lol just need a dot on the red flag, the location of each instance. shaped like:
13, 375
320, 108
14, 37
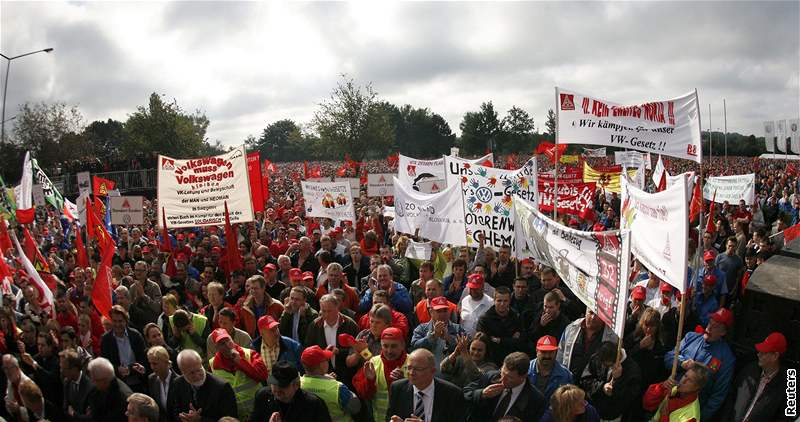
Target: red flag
662, 183
231, 245
95, 229
697, 201
6, 276
393, 160
166, 246
549, 149
341, 171
316, 172
45, 292
5, 241
101, 290
29, 245
256, 182
711, 227
89, 220
83, 260
791, 233
39, 263
305, 170
791, 169
270, 166
101, 186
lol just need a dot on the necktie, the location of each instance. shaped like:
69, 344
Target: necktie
419, 408
500, 410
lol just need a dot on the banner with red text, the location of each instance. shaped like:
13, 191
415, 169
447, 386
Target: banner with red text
192, 192
574, 195
667, 127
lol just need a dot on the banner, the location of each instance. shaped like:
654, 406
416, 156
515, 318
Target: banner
780, 136
329, 200
769, 136
594, 265
487, 194
438, 216
256, 181
193, 191
381, 184
353, 182
794, 134
574, 195
632, 159
426, 176
594, 152
126, 210
51, 194
605, 177
670, 127
83, 183
731, 188
417, 250
659, 225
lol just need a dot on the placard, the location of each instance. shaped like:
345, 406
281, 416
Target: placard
380, 184
126, 210
328, 200
731, 189
437, 216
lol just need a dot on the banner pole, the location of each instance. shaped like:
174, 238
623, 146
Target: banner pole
555, 169
725, 119
680, 335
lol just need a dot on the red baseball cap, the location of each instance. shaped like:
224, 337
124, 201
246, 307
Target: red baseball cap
267, 322
475, 281
710, 280
573, 222
774, 342
665, 287
216, 249
526, 261
709, 256
392, 333
179, 236
220, 334
547, 344
180, 256
639, 293
599, 227
270, 267
439, 303
295, 273
146, 249
314, 355
346, 340
308, 275
723, 316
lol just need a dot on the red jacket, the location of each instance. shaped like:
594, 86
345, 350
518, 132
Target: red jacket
365, 388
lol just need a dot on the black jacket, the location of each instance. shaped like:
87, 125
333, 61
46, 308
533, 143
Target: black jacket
108, 405
529, 405
109, 350
215, 397
504, 328
304, 406
770, 405
626, 392
154, 391
553, 328
448, 401
77, 398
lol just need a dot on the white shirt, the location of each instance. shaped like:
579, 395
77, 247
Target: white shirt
427, 399
514, 394
330, 336
164, 390
472, 310
659, 307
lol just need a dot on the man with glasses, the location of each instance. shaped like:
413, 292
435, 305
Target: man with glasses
421, 396
507, 392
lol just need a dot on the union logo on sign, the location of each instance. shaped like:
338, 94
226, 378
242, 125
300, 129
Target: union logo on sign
567, 101
126, 204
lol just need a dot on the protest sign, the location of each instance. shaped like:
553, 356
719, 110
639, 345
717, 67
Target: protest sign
84, 183
487, 194
380, 184
438, 216
731, 189
38, 195
426, 176
329, 200
419, 250
669, 127
353, 182
632, 159
256, 180
574, 196
593, 265
193, 192
594, 152
126, 210
659, 225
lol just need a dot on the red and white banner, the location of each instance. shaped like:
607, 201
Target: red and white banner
256, 180
670, 127
192, 192
574, 195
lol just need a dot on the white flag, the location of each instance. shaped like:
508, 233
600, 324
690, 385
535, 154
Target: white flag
769, 136
794, 133
419, 250
438, 216
780, 135
659, 173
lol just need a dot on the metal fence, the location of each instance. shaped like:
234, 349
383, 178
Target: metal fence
125, 181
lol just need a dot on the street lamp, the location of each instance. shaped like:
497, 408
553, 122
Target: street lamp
5, 89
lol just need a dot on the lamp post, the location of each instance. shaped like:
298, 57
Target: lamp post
5, 89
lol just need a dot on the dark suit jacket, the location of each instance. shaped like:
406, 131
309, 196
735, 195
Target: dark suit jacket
304, 407
448, 401
215, 397
77, 399
529, 405
154, 391
108, 405
108, 348
315, 335
51, 412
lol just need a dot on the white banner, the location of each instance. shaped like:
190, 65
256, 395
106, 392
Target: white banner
632, 159
594, 265
487, 194
769, 136
731, 189
418, 250
670, 127
794, 133
329, 200
426, 176
438, 216
127, 210
84, 183
381, 184
594, 152
780, 136
192, 192
659, 225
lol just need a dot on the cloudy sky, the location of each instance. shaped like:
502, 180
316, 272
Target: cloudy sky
248, 64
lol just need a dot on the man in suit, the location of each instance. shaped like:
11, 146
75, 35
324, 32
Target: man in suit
505, 393
160, 382
421, 397
124, 347
198, 395
37, 407
325, 330
108, 396
76, 384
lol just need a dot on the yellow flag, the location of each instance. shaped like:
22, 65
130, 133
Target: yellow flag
608, 180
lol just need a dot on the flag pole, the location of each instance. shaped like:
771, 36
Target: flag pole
555, 169
725, 118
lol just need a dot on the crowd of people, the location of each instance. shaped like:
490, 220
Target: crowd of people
330, 320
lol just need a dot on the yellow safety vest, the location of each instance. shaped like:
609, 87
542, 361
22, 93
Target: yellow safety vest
244, 387
380, 404
685, 413
328, 390
199, 322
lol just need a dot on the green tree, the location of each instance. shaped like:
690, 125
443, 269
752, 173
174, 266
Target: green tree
479, 130
163, 127
418, 131
517, 131
41, 128
352, 122
106, 138
551, 123
274, 140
